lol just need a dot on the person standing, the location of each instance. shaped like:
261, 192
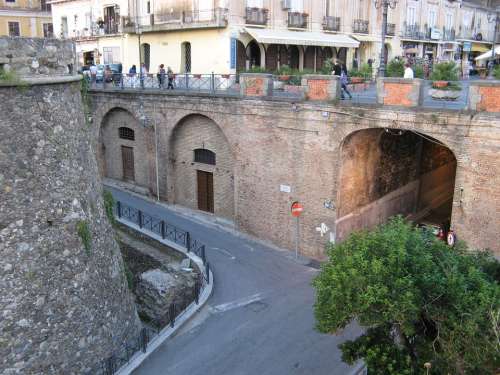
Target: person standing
344, 80
170, 76
132, 71
93, 72
408, 72
337, 69
161, 75
144, 74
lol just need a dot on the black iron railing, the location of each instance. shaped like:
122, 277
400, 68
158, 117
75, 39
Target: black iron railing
167, 231
331, 23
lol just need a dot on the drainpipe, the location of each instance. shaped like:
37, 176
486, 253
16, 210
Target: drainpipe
156, 156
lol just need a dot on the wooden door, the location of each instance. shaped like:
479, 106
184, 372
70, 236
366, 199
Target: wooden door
128, 163
205, 191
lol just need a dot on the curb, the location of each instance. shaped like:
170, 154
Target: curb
183, 317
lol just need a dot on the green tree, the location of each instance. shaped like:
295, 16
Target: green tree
445, 71
421, 300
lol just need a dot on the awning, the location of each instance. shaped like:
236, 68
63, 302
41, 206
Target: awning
301, 38
367, 38
487, 55
477, 47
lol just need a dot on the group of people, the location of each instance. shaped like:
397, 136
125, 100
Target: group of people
163, 75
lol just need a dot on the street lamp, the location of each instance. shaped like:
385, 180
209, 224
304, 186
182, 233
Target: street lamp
493, 17
384, 4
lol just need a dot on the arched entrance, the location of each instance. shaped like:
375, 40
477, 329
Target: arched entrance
201, 167
122, 154
293, 57
253, 53
386, 172
241, 57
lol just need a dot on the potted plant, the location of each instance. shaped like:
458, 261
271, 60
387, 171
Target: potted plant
284, 73
395, 68
444, 78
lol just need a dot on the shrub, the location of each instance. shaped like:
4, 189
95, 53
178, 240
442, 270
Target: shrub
421, 300
445, 71
418, 71
496, 72
83, 231
395, 68
366, 71
109, 203
256, 69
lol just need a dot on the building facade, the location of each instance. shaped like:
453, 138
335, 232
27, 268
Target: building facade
25, 18
228, 36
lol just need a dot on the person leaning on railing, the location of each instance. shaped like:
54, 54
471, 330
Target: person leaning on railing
170, 76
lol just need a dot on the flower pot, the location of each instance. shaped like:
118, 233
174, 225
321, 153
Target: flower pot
284, 77
226, 76
439, 84
357, 80
198, 76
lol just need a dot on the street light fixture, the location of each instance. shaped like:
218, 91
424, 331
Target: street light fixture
384, 4
493, 17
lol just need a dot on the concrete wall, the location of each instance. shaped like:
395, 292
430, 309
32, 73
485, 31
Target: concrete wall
294, 144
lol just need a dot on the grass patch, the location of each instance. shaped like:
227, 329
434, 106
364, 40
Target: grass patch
83, 231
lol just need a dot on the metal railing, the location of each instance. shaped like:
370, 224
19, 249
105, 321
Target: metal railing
210, 83
297, 19
391, 29
360, 26
412, 31
448, 34
331, 23
157, 226
256, 16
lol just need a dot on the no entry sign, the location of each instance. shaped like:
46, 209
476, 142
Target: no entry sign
297, 209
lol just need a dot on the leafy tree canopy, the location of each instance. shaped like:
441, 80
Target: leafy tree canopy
422, 301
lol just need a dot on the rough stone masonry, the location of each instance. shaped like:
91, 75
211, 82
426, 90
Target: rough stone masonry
64, 301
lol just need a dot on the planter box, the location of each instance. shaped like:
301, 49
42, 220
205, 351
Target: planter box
357, 80
444, 94
439, 84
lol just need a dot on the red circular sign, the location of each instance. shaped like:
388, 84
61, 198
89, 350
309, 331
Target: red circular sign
297, 209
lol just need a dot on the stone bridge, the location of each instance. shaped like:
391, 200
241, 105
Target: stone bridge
246, 159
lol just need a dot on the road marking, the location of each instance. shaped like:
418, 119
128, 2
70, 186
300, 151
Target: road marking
223, 251
238, 303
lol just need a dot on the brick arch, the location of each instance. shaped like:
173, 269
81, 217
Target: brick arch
109, 148
192, 132
389, 171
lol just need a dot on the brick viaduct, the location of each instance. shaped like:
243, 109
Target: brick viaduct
330, 155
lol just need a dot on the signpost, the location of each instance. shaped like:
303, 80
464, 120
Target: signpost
296, 210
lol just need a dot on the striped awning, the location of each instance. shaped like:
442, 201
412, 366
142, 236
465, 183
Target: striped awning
301, 38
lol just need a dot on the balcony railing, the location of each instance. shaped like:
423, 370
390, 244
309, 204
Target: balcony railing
297, 19
391, 29
256, 16
331, 23
448, 34
360, 26
412, 31
112, 27
177, 20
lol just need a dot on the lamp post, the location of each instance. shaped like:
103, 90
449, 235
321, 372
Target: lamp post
384, 4
493, 17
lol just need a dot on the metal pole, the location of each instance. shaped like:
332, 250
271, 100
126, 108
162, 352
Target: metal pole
381, 70
156, 156
497, 18
297, 228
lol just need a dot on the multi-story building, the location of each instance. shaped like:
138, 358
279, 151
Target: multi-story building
27, 18
225, 36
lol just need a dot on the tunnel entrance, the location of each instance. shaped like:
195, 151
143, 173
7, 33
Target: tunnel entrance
386, 172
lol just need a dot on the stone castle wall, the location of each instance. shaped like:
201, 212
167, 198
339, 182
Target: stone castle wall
64, 299
300, 145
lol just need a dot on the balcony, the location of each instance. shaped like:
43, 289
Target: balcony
297, 20
448, 34
360, 27
391, 29
331, 23
256, 16
176, 20
412, 31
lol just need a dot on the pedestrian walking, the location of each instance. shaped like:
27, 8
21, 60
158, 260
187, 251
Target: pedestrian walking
170, 76
161, 75
93, 72
108, 74
337, 69
408, 72
144, 74
344, 80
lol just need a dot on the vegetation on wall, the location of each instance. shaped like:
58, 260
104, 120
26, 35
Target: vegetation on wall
496, 72
86, 101
109, 204
424, 303
445, 71
83, 231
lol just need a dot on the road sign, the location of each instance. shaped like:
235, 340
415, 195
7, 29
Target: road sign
297, 209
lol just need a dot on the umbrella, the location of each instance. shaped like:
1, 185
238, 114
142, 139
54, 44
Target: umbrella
487, 55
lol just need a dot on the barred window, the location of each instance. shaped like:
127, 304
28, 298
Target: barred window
14, 29
202, 155
126, 133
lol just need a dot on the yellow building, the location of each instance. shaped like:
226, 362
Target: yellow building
26, 18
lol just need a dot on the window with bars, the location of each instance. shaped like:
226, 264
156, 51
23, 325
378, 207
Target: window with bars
14, 29
202, 155
45, 7
126, 133
186, 57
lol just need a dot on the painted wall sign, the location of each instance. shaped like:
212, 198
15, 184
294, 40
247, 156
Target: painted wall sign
232, 60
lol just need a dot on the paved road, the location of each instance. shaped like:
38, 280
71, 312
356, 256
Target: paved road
259, 319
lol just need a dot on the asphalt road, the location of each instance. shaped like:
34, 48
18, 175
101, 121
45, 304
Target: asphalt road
259, 319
